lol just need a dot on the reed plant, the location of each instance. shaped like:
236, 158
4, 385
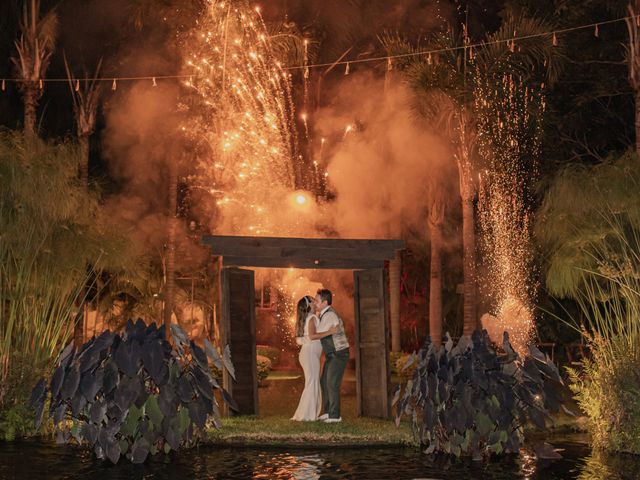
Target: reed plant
51, 228
607, 384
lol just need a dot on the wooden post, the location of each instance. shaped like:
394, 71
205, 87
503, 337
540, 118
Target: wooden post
395, 266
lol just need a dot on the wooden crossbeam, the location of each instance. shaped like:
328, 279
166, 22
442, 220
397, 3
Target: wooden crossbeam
304, 263
286, 250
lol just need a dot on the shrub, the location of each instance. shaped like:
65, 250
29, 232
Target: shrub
16, 418
402, 367
607, 386
133, 394
264, 368
468, 400
393, 359
609, 394
271, 353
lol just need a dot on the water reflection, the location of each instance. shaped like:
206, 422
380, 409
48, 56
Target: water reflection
36, 460
599, 465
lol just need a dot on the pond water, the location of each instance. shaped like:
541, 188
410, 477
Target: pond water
36, 460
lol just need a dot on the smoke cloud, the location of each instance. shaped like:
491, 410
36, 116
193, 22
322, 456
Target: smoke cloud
385, 161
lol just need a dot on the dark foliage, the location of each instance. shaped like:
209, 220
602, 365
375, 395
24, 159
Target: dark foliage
469, 400
133, 394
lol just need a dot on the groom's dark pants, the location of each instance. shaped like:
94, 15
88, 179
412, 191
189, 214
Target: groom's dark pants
334, 367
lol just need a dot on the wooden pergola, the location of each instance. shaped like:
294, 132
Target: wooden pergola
371, 306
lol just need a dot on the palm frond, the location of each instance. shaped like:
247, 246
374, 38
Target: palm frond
530, 57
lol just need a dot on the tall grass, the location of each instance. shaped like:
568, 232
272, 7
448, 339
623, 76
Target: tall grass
607, 386
50, 229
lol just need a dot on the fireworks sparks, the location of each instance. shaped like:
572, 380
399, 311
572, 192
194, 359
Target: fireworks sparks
509, 139
242, 116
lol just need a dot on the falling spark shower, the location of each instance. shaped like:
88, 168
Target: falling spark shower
509, 121
242, 120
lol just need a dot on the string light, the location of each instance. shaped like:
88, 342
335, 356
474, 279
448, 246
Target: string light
154, 82
77, 88
4, 85
429, 53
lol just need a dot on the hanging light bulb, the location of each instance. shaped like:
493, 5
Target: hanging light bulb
596, 32
554, 40
154, 82
389, 64
429, 60
4, 85
346, 70
114, 85
77, 89
512, 46
40, 84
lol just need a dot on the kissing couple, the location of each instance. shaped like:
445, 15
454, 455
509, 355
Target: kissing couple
320, 329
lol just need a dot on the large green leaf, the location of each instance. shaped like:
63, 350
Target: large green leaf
153, 411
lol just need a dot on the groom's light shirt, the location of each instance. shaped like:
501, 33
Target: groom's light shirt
327, 321
338, 341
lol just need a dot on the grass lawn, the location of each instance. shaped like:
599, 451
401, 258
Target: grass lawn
278, 399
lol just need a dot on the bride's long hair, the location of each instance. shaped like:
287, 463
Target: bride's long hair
304, 307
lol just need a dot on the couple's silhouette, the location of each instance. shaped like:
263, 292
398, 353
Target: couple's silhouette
320, 329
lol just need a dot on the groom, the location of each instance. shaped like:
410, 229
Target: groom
336, 352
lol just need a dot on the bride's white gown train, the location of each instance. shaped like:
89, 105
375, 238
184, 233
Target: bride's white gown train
310, 352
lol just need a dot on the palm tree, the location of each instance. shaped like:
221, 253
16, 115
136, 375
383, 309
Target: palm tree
86, 97
33, 54
85, 107
436, 222
445, 89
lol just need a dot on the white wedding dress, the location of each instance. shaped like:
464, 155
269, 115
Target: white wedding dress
310, 352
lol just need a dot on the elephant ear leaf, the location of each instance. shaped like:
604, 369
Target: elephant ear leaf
226, 357
113, 451
56, 381
70, 384
153, 360
66, 355
127, 357
230, 401
140, 450
179, 336
198, 412
212, 353
38, 393
199, 355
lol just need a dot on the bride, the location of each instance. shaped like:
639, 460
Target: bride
309, 357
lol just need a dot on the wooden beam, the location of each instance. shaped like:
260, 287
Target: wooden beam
302, 262
224, 241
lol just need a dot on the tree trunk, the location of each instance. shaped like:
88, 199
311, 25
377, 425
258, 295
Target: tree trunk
169, 291
469, 266
435, 285
395, 267
83, 173
633, 61
30, 97
83, 167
